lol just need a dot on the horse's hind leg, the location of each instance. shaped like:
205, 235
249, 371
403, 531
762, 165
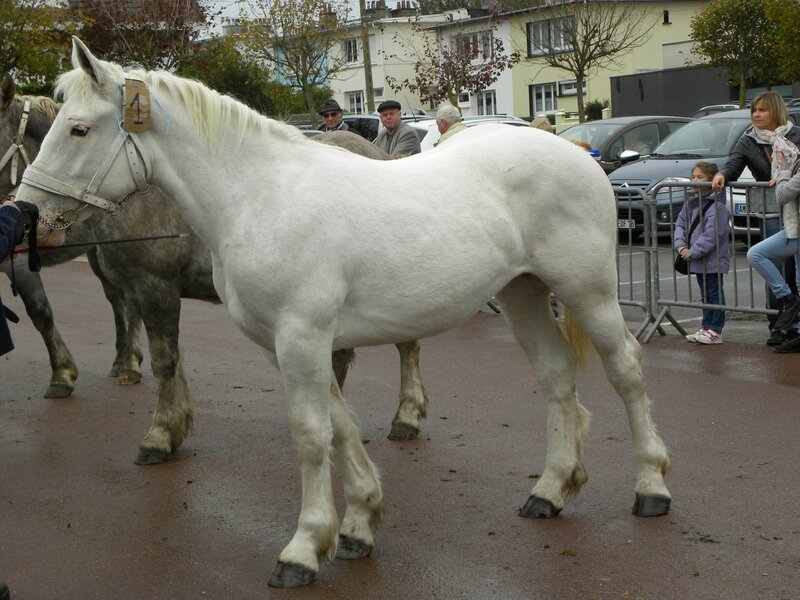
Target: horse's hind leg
621, 356
413, 398
526, 306
127, 322
31, 291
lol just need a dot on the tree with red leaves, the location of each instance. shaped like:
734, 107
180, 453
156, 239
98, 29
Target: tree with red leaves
154, 34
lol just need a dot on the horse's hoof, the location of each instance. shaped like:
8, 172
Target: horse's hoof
538, 508
287, 575
402, 432
352, 548
651, 506
58, 390
150, 456
128, 377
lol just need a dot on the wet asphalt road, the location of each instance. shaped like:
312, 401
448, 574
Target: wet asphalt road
78, 520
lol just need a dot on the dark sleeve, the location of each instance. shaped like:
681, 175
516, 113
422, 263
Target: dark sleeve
737, 161
11, 229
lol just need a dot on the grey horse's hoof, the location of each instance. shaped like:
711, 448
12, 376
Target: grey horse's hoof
352, 548
150, 456
58, 390
538, 508
129, 377
402, 432
651, 506
287, 575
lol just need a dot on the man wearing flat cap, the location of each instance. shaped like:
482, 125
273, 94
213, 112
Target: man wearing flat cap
396, 138
332, 114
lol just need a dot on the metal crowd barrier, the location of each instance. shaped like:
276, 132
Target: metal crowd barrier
645, 254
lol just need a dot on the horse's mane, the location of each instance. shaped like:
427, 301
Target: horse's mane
47, 107
212, 113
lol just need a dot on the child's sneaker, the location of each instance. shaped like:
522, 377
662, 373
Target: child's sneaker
709, 336
692, 337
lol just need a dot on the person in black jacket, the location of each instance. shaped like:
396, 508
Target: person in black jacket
12, 225
755, 151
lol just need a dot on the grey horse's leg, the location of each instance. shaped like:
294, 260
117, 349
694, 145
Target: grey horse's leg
413, 397
31, 291
173, 416
127, 322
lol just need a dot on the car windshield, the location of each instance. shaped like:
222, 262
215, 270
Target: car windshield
703, 138
594, 132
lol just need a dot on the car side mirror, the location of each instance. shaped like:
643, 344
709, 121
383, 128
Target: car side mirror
627, 156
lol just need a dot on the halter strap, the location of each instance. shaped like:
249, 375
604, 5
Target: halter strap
17, 149
38, 178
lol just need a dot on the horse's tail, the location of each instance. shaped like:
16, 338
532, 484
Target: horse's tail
578, 339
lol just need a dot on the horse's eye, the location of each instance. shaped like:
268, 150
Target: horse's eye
79, 130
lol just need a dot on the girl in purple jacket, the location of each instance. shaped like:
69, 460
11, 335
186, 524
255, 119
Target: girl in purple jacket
707, 251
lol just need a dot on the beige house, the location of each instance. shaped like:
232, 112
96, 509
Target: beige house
538, 88
531, 87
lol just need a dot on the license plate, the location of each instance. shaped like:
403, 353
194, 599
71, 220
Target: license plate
626, 224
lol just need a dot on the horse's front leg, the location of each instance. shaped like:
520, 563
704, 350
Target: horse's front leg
64, 371
173, 416
413, 398
362, 488
127, 322
304, 357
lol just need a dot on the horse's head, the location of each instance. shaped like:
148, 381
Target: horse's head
89, 159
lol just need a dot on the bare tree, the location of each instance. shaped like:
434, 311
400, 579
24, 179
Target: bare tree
586, 36
470, 60
296, 37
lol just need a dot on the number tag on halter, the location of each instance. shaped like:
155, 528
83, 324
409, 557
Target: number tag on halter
136, 109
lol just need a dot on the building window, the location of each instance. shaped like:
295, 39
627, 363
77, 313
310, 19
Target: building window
666, 18
552, 35
463, 99
351, 50
355, 102
487, 103
478, 44
543, 98
377, 92
570, 88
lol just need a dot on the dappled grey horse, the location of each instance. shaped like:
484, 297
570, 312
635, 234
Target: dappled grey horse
145, 281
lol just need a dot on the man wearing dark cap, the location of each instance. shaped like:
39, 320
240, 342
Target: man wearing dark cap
396, 138
332, 115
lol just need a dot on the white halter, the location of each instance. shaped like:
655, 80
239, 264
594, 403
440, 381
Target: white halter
17, 149
38, 178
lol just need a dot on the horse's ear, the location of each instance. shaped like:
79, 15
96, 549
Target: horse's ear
7, 91
82, 58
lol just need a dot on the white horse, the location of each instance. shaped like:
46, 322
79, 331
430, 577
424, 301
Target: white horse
317, 249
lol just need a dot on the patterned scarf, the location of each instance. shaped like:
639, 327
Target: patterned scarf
784, 152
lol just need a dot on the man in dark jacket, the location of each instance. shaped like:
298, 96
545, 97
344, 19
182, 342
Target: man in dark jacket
332, 114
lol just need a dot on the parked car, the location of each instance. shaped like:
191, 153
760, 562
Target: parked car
429, 133
713, 108
367, 126
709, 139
614, 136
